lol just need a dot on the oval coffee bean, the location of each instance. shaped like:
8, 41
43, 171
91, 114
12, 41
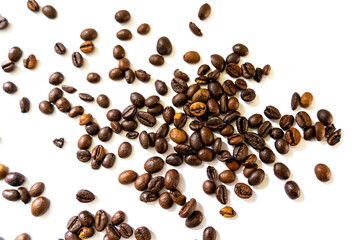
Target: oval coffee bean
112, 232
295, 100
292, 190
100, 220
254, 140
174, 159
221, 194
156, 60
142, 233
11, 195
322, 172
88, 34
165, 200
218, 62
172, 179
191, 57
188, 208
39, 206
282, 146
248, 95
325, 117
14, 179
204, 11
256, 177
86, 218
267, 155
77, 59
243, 190
125, 230
24, 236
240, 49
14, 54
124, 150
293, 136
49, 11
164, 46
24, 105
209, 233
286, 122
194, 220
227, 176
272, 112
122, 16
143, 29
227, 212
306, 99
85, 196
37, 189
24, 195
281, 171
303, 119
209, 187
127, 176
309, 133
124, 34
153, 164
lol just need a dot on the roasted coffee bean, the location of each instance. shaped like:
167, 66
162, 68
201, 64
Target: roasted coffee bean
233, 58
95, 164
286, 122
144, 139
127, 176
87, 47
204, 11
83, 155
156, 60
325, 117
161, 87
137, 99
108, 160
179, 120
181, 75
203, 69
8, 66
103, 101
255, 120
112, 232
249, 160
124, 150
59, 142
306, 99
281, 171
256, 177
206, 154
235, 139
174, 159
202, 80
84, 141
194, 220
258, 74
23, 236
118, 52
3, 23
201, 95
231, 117
295, 100
129, 76
243, 190
148, 196
188, 208
272, 112
227, 176
98, 153
24, 105
71, 236
293, 136
227, 130
334, 138
142, 233
177, 197
240, 49
218, 62
233, 165
221, 194
129, 125
9, 87
68, 89
168, 114
153, 164
86, 218
142, 75
248, 70
55, 94
113, 115
179, 85
248, 170
209, 187
211, 173
59, 48
14, 179
124, 34
207, 136
92, 128
224, 156
122, 16
303, 119
124, 63
254, 140
37, 189
215, 89
93, 77
267, 155
3, 171
248, 95
105, 134
11, 195
242, 124
240, 151
118, 218
186, 109
233, 70
282, 146
63, 105
198, 109
161, 145
146, 119
77, 59
264, 129
183, 149
142, 181
213, 107
229, 87
143, 29
209, 233
116, 74
191, 57
240, 84
319, 131
125, 230
49, 11
329, 130
86, 232
88, 34
322, 172
33, 5
30, 62
129, 112
24, 195
39, 206
156, 184
214, 75
227, 212
233, 104
46, 107
276, 133
196, 125
309, 133
178, 135
14, 54
164, 46
266, 70
292, 190
165, 200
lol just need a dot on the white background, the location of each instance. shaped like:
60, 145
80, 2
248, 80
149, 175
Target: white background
311, 46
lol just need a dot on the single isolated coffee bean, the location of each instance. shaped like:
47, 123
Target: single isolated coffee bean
124, 150
11, 194
258, 74
295, 100
59, 142
9, 87
83, 155
122, 16
227, 176
30, 62
322, 172
23, 236
142, 233
77, 59
84, 141
209, 233
49, 11
194, 220
142, 75
243, 190
103, 101
191, 57
68, 89
195, 29
161, 87
240, 49
153, 164
164, 46
88, 34
281, 171
306, 99
204, 11
266, 70
127, 176
59, 48
87, 47
267, 155
256, 177
143, 29
227, 212
156, 60
209, 187
33, 5
85, 196
46, 107
292, 190
248, 95
282, 146
56, 78
39, 206
14, 54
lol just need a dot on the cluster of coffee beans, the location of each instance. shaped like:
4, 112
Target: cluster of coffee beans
48, 10
39, 206
82, 226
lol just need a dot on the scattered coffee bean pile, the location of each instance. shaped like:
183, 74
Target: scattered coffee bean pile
213, 108
39, 206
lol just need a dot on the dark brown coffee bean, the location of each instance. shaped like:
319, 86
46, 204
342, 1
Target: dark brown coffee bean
227, 176
233, 165
59, 142
88, 34
33, 6
165, 200
248, 95
168, 114
240, 49
322, 172
8, 66
213, 107
11, 195
282, 146
194, 219
98, 153
188, 208
56, 78
124, 34
233, 70
303, 119
122, 16
142, 233
23, 236
146, 119
319, 131
55, 94
203, 69
71, 236
192, 159
14, 54
137, 99
227, 130
142, 181
243, 190
240, 84
85, 196
84, 141
93, 77
142, 75
174, 159
231, 117
209, 187
116, 74
77, 59
229, 87
164, 46
235, 139
181, 75
256, 177
224, 156
156, 60
49, 11
215, 89
258, 74
306, 99
161, 145
125, 230
195, 29
179, 120
240, 151
295, 100
233, 58
153, 164
334, 138
206, 154
129, 125
248, 70
124, 64
100, 220
286, 122
254, 140
218, 62
183, 149
179, 85
37, 189
118, 52
325, 117
39, 206
92, 128
24, 105
124, 150
233, 104
272, 112
148, 196
105, 134
9, 87
215, 123
223, 103
329, 130
161, 87
59, 48
276, 133
248, 170
127, 177
144, 139
118, 218
249, 160
109, 160
293, 136
3, 23
207, 135
309, 133
46, 107
211, 173
242, 124
281, 171
267, 155
156, 184
112, 232
63, 105
214, 75
264, 129
292, 190
221, 194
255, 120
266, 70
24, 195
129, 112
103, 101
209, 233
204, 11
143, 29
83, 155
113, 115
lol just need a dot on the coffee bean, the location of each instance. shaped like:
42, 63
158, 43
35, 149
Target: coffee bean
142, 75
125, 230
233, 58
156, 110
124, 34
242, 124
146, 119
86, 232
83, 155
33, 5
248, 70
334, 137
105, 134
112, 232
85, 196
233, 104
37, 189
124, 150
68, 89
124, 63
267, 155
254, 140
303, 119
178, 135
130, 76
23, 236
8, 66
322, 172
309, 133
39, 206
204, 11
209, 187
85, 119
148, 196
188, 208
235, 139
211, 173
281, 171
3, 23
248, 95
49, 11
209, 233
292, 190
174, 159
224, 156
100, 220
229, 87
56, 78
63, 105
88, 34
116, 74
240, 151
227, 176
24, 105
24, 195
86, 218
258, 74
256, 177
247, 171
292, 136
214, 75
14, 179
206, 154
306, 99
59, 48
156, 184
9, 87
109, 160
118, 218
59, 142
127, 176
181, 75
215, 89
221, 194
164, 46
143, 29
218, 62
233, 70
227, 212
325, 117
319, 131
142, 181
161, 145
295, 100
71, 236
46, 107
153, 164
84, 141
329, 130
282, 146
240, 84
3, 171
103, 101
195, 29
142, 233
240, 49
129, 125
161, 87
191, 57
194, 219
276, 133
213, 107
203, 69
286, 122
156, 60
272, 112
264, 129
87, 47
77, 59
165, 200
179, 85
207, 135
11, 195
122, 16
14, 54
198, 109
243, 190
